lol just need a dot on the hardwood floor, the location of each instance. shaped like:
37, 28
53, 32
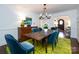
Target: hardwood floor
74, 45
3, 49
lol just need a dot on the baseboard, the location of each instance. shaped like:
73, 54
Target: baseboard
75, 39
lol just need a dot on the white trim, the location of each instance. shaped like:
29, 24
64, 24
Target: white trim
3, 29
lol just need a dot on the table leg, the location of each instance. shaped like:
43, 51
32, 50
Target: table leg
43, 42
52, 46
34, 46
46, 46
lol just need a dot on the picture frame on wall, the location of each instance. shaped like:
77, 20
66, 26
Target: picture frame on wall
28, 21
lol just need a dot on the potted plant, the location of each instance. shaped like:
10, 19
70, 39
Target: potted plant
45, 27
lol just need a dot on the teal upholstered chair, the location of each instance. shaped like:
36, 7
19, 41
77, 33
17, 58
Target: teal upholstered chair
36, 29
57, 35
53, 38
16, 47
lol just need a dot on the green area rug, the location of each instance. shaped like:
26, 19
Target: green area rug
63, 47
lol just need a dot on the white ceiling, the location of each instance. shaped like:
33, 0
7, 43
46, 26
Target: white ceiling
37, 8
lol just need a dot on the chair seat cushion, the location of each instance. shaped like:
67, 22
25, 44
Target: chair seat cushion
27, 46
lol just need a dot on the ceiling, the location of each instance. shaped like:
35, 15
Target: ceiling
37, 8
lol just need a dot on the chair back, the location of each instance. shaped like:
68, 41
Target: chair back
14, 46
52, 38
57, 31
36, 29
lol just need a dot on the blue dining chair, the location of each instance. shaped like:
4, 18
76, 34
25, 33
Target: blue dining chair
40, 29
52, 39
16, 47
57, 35
36, 29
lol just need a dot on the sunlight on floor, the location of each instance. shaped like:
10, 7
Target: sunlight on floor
61, 34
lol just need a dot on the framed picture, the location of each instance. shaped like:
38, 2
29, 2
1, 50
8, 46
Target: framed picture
28, 21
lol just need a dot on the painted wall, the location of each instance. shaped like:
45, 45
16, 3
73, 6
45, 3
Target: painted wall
9, 22
78, 24
73, 18
66, 19
78, 29
12, 31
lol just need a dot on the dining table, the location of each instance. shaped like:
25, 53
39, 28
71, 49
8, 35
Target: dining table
38, 36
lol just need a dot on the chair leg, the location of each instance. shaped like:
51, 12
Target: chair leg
55, 44
33, 52
57, 39
43, 43
34, 46
52, 47
46, 45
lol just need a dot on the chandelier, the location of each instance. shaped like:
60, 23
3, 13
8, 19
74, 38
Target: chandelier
44, 14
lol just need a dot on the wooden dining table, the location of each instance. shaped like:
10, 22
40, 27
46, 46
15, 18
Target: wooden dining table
38, 36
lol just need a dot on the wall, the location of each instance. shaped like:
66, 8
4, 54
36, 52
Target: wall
9, 22
73, 18
66, 21
78, 29
12, 31
78, 24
